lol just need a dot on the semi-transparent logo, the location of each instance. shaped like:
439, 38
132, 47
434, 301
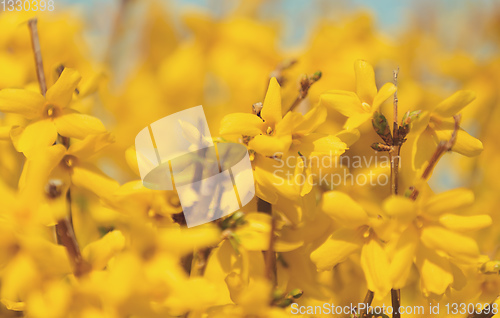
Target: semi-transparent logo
177, 152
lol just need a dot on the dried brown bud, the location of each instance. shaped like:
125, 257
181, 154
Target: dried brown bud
54, 188
378, 146
257, 108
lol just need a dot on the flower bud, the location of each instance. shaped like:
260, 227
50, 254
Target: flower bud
381, 127
408, 118
296, 293
378, 146
491, 267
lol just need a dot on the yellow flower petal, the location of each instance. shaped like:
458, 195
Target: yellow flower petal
435, 271
89, 177
400, 208
383, 94
375, 265
365, 81
18, 277
460, 247
36, 172
5, 132
465, 143
336, 248
62, 91
99, 252
357, 120
402, 259
450, 200
90, 145
346, 103
241, 124
314, 145
75, 125
349, 137
254, 234
343, 209
271, 109
310, 121
35, 136
455, 103
270, 145
465, 223
423, 148
188, 239
20, 101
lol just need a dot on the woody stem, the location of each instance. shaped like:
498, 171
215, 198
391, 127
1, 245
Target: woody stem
35, 44
487, 311
367, 301
442, 147
395, 293
269, 255
396, 142
64, 227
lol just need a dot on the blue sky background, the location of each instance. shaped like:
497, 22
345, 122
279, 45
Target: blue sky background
298, 16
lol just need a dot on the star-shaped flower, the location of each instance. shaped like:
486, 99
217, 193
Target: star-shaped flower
48, 115
360, 106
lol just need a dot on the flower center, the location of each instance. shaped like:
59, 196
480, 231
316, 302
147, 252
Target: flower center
69, 161
366, 107
270, 131
51, 111
419, 222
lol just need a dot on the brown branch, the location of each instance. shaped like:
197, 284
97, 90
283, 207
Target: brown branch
67, 238
305, 84
443, 146
64, 227
269, 255
278, 71
487, 311
65, 232
396, 302
367, 301
35, 44
396, 141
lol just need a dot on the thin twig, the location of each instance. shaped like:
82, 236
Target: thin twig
64, 227
65, 232
269, 255
397, 143
66, 236
487, 312
305, 84
443, 146
35, 44
368, 302
396, 302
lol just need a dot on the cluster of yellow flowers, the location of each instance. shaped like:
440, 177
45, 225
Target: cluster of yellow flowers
80, 236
